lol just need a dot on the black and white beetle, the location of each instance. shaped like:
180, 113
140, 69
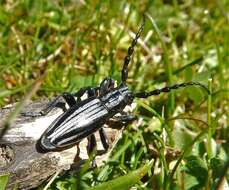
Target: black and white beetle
84, 117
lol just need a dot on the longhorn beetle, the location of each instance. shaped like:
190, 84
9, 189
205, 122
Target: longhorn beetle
84, 117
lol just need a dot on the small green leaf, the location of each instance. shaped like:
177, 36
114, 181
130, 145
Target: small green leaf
182, 136
197, 168
190, 182
61, 185
217, 165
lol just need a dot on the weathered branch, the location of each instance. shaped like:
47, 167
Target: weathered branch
19, 157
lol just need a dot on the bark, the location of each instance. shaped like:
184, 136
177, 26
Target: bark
18, 154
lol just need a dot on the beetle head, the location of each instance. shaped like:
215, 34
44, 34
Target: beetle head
127, 95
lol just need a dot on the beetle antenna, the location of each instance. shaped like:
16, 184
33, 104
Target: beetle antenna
130, 52
169, 88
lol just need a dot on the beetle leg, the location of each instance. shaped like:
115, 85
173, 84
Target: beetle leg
91, 147
125, 119
106, 86
69, 99
120, 121
104, 139
91, 91
92, 141
56, 102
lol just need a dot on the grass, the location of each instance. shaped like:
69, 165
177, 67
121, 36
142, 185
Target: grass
78, 43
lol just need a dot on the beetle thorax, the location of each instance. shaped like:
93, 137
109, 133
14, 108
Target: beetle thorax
117, 99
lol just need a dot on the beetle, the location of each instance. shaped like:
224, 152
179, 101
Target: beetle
84, 117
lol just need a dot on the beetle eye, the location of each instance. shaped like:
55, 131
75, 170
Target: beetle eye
129, 98
112, 84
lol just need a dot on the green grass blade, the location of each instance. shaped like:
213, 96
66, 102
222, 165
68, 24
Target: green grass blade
3, 181
167, 65
124, 182
210, 130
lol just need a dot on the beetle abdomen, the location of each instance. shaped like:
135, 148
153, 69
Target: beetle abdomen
75, 124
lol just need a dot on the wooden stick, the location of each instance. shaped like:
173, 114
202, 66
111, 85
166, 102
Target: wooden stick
29, 168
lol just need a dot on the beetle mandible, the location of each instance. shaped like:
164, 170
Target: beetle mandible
84, 117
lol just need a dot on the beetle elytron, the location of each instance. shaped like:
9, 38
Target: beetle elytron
84, 117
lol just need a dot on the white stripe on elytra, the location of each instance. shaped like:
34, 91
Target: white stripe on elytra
60, 129
69, 139
67, 126
80, 109
81, 120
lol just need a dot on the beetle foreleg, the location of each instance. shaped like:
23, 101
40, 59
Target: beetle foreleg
91, 91
106, 86
125, 119
121, 120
